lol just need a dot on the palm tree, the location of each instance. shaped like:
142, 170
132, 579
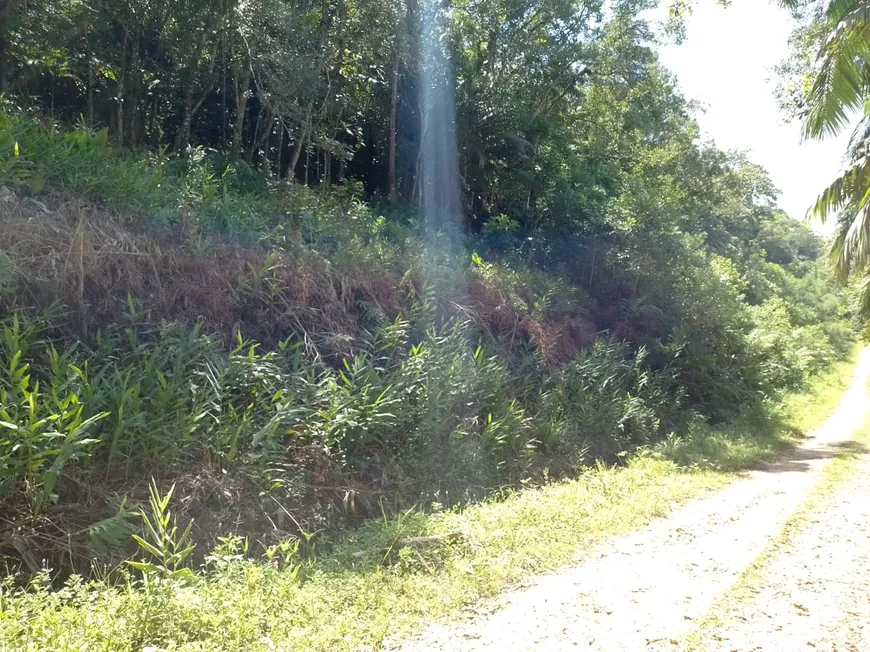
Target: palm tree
840, 88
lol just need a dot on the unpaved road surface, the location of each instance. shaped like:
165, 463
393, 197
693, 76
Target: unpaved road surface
813, 593
646, 591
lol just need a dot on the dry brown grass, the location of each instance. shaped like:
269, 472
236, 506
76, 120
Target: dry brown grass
89, 260
86, 258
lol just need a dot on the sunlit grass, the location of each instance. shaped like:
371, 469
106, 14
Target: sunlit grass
758, 434
808, 409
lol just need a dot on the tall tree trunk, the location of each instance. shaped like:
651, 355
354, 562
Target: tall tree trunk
394, 100
530, 192
90, 89
279, 155
135, 90
191, 107
4, 46
267, 145
183, 138
417, 188
223, 87
191, 102
122, 76
260, 138
307, 165
300, 141
7, 9
243, 84
250, 152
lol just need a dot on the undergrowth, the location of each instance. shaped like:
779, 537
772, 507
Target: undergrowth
238, 601
418, 413
201, 195
296, 364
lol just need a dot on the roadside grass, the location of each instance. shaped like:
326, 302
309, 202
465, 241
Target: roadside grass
809, 408
757, 435
335, 600
744, 590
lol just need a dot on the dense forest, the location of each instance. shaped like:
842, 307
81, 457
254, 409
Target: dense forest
215, 274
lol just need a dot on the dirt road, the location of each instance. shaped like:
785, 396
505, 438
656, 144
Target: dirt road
650, 590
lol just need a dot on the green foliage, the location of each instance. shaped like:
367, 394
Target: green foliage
168, 548
113, 532
245, 604
42, 430
607, 390
826, 84
693, 301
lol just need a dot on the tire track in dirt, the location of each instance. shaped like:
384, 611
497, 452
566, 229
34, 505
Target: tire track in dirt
813, 592
644, 592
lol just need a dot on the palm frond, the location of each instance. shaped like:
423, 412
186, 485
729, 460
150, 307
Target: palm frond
854, 246
854, 17
840, 85
859, 141
864, 294
836, 9
848, 188
838, 244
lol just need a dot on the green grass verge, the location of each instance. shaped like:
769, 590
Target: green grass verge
755, 436
342, 602
808, 409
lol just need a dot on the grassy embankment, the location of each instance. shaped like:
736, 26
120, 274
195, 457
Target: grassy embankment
338, 601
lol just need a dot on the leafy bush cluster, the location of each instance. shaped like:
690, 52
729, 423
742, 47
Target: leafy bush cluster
158, 187
438, 414
237, 598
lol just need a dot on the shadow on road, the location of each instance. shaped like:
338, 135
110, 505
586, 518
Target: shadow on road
802, 458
